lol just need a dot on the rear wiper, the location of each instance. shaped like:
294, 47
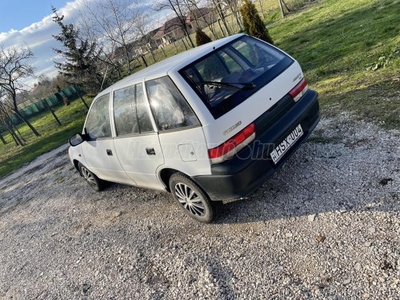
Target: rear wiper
243, 85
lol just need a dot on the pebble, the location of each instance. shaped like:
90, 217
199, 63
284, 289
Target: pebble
346, 281
312, 217
117, 214
357, 267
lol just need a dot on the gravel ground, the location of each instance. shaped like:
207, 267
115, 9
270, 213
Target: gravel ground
326, 226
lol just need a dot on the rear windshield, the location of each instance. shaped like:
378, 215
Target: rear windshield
230, 74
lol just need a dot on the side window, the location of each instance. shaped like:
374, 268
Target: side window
142, 111
125, 111
98, 120
169, 108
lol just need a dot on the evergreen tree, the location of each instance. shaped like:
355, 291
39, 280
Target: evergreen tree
252, 23
81, 63
201, 37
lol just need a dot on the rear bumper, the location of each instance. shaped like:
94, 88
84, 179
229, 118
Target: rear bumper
252, 166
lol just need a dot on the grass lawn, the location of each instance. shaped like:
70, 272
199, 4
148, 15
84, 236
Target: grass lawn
349, 51
52, 136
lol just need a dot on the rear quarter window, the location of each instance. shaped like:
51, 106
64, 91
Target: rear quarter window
169, 107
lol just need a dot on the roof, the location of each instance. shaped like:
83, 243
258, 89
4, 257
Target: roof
197, 14
171, 64
168, 26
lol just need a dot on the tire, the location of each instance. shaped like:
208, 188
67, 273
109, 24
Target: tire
95, 183
191, 198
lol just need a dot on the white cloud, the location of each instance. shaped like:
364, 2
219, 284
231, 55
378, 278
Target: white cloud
39, 37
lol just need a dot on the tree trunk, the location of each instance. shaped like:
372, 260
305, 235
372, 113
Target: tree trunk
162, 50
237, 17
222, 16
17, 140
15, 129
184, 44
2, 139
176, 48
220, 27
25, 120
80, 96
52, 111
282, 4
145, 61
262, 9
212, 28
152, 55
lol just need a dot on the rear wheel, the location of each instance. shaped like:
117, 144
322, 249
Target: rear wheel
96, 183
191, 198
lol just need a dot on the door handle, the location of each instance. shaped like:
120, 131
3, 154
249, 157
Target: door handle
109, 152
150, 151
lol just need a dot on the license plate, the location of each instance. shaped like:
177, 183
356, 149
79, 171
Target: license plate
286, 144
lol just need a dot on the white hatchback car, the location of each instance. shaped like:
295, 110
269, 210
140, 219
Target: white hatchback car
209, 124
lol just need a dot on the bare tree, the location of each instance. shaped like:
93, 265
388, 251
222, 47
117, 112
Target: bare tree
14, 67
219, 8
196, 11
114, 22
5, 119
234, 7
142, 26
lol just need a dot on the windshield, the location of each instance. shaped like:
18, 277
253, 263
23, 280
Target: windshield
227, 76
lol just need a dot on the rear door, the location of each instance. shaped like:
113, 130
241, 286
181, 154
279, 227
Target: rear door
136, 142
99, 151
180, 131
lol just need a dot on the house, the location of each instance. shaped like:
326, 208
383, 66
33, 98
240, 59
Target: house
171, 31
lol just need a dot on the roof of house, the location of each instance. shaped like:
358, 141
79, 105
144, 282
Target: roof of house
196, 14
168, 26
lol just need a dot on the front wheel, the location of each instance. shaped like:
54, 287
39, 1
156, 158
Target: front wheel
96, 183
191, 199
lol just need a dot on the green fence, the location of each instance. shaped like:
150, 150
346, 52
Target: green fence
71, 93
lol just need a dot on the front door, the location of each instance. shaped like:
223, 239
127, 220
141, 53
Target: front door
99, 151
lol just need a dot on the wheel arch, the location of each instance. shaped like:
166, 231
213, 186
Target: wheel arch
165, 175
76, 163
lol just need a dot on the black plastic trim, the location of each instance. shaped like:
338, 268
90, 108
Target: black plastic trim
252, 166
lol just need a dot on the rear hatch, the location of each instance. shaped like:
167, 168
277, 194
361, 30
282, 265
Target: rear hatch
238, 83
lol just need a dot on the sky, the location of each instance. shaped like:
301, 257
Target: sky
29, 23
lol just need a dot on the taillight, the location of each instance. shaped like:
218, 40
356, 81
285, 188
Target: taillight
228, 149
299, 90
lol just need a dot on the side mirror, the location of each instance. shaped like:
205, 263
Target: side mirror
77, 139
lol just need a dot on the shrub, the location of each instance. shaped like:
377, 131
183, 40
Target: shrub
252, 23
201, 37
